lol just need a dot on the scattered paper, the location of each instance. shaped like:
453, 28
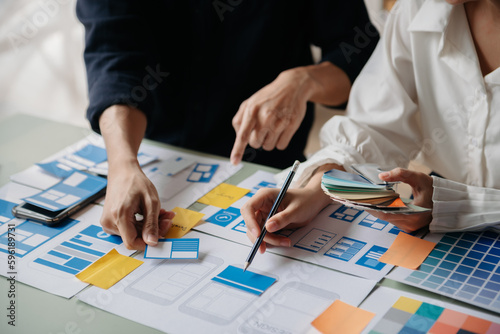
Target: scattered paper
244, 280
407, 251
108, 270
77, 187
183, 221
342, 318
174, 249
223, 195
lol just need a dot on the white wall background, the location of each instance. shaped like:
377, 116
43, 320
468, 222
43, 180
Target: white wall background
41, 58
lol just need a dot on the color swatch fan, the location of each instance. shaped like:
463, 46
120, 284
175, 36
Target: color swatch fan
356, 191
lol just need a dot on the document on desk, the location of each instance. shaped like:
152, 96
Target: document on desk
340, 238
463, 266
179, 296
180, 178
49, 257
398, 311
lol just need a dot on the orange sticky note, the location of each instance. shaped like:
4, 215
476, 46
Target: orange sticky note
109, 269
183, 221
342, 318
407, 251
223, 195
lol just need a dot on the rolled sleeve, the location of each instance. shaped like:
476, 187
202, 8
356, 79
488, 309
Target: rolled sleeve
461, 207
117, 55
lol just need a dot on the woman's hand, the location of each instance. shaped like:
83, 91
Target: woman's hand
422, 189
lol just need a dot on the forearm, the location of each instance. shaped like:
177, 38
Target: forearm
314, 184
323, 83
122, 128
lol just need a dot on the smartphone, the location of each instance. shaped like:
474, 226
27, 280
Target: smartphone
51, 218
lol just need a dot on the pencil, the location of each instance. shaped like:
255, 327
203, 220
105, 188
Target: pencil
274, 208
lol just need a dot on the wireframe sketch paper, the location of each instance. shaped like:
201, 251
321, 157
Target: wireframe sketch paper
181, 297
49, 257
186, 248
340, 238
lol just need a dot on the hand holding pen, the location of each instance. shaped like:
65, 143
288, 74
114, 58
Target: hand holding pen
273, 211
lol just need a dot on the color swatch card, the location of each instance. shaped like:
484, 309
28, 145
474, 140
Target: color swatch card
244, 280
174, 249
409, 315
75, 188
464, 266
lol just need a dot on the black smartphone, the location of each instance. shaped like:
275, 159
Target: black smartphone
50, 218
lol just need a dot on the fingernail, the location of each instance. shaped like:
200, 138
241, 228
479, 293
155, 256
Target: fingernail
384, 175
285, 243
151, 240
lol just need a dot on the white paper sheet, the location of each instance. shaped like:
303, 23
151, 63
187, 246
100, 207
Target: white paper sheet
340, 238
178, 296
48, 257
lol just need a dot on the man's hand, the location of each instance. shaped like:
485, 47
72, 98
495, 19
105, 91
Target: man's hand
130, 192
271, 116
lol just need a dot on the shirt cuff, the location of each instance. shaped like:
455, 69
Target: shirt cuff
338, 154
460, 207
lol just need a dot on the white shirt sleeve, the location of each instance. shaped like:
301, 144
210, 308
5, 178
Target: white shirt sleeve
460, 207
382, 123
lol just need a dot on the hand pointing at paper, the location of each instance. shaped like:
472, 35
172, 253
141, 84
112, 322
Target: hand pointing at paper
271, 116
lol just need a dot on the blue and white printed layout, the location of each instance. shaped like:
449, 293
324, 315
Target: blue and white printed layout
48, 258
463, 266
184, 289
181, 184
340, 238
180, 178
88, 154
75, 188
174, 249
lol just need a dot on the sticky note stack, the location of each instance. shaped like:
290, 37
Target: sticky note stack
356, 191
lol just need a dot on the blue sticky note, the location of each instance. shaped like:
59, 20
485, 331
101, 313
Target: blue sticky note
75, 188
92, 153
246, 281
56, 168
202, 173
174, 249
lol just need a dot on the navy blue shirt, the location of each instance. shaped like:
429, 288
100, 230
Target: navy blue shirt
189, 64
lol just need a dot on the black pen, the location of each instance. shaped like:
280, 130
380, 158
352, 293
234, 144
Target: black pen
275, 207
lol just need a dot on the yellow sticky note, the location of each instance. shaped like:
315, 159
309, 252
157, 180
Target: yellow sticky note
183, 221
407, 251
109, 269
223, 195
342, 318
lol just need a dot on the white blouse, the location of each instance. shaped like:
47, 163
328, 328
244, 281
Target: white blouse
422, 95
